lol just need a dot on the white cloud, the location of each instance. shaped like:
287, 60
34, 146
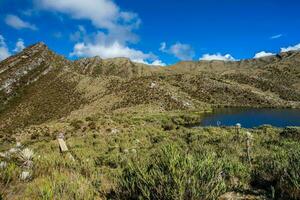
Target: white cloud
155, 62
158, 63
115, 29
113, 51
263, 54
218, 56
17, 23
291, 48
179, 50
19, 45
276, 36
4, 52
104, 14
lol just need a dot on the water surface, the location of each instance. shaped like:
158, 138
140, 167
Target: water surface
252, 117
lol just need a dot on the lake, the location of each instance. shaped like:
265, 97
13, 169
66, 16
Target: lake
252, 117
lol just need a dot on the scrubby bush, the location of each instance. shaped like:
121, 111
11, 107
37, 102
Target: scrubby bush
291, 132
168, 126
173, 175
61, 186
76, 124
281, 170
9, 173
92, 125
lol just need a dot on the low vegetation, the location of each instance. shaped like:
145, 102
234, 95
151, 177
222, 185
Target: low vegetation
141, 159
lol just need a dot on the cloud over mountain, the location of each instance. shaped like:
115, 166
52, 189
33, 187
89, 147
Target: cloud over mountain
291, 48
17, 23
114, 32
218, 56
179, 50
263, 54
19, 45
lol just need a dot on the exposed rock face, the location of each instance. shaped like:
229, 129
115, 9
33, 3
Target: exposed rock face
38, 85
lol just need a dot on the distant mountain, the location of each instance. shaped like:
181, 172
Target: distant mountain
37, 85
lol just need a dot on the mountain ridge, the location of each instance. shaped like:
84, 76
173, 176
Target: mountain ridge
37, 85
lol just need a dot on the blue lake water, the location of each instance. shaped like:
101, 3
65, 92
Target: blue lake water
252, 117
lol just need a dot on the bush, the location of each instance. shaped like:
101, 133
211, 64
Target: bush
173, 175
291, 132
281, 169
76, 124
92, 125
61, 186
9, 173
168, 126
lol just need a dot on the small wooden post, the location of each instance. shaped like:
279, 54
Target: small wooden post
63, 146
248, 146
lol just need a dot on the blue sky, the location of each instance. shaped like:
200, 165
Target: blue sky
153, 32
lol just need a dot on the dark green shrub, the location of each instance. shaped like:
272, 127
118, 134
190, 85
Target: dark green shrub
168, 126
88, 119
76, 124
291, 132
92, 125
281, 169
34, 136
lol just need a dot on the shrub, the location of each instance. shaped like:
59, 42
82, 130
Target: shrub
291, 132
92, 125
168, 126
34, 136
8, 174
61, 186
281, 169
76, 124
173, 175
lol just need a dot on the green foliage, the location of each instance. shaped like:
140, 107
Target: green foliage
60, 186
9, 173
291, 132
76, 124
173, 175
142, 161
168, 126
281, 168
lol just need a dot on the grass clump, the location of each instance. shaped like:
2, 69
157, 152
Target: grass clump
60, 186
9, 173
76, 124
173, 175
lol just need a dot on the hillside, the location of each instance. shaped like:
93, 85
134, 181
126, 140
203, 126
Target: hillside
38, 85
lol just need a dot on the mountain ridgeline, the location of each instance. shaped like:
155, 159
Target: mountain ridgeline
38, 86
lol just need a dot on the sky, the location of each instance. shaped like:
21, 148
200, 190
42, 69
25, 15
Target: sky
158, 32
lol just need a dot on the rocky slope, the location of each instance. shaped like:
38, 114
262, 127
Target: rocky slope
38, 85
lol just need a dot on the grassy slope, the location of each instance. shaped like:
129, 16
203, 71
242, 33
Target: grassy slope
155, 156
